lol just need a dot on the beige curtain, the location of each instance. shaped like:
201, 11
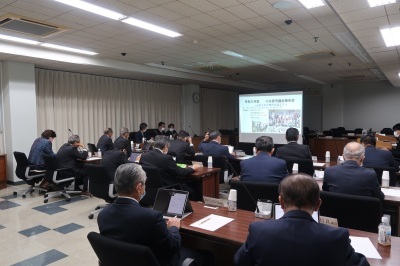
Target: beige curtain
87, 104
218, 109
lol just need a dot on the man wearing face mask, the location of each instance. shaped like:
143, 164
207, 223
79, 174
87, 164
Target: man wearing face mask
170, 173
214, 148
127, 221
171, 133
161, 129
139, 136
113, 159
396, 150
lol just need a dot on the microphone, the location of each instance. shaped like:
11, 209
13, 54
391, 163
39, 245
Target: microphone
244, 186
70, 131
194, 135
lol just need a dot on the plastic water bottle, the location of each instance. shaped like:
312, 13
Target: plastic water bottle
99, 153
254, 151
209, 162
385, 231
132, 145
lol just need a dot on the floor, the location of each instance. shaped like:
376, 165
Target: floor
35, 233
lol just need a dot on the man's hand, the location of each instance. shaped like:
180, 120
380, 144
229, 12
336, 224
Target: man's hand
195, 167
174, 222
189, 139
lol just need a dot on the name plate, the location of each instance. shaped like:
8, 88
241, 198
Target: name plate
328, 220
215, 202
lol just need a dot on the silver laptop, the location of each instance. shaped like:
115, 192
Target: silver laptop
173, 203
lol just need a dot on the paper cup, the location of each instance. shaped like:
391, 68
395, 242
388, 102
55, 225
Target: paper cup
232, 195
295, 168
230, 149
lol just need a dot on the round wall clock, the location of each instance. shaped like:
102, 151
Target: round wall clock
196, 97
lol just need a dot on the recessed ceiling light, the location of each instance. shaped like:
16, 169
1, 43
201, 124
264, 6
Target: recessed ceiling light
391, 36
151, 27
16, 39
312, 3
93, 9
64, 48
253, 60
399, 74
282, 4
309, 78
373, 3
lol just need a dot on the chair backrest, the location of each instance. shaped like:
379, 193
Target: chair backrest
379, 170
51, 166
355, 212
114, 252
22, 164
358, 131
153, 183
257, 189
387, 131
92, 148
99, 181
305, 165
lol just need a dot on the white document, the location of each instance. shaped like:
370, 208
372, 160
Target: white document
364, 246
391, 192
318, 164
212, 222
93, 159
244, 157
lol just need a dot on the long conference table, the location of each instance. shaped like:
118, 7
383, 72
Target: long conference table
225, 241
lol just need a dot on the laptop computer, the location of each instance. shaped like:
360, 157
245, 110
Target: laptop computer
134, 156
173, 203
278, 213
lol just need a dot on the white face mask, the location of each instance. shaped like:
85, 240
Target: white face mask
396, 134
162, 129
171, 129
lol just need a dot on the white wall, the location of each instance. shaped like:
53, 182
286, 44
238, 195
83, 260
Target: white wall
190, 109
312, 109
332, 106
19, 103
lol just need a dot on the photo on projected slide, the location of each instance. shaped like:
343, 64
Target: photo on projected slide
280, 120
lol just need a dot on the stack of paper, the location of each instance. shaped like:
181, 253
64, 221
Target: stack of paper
212, 222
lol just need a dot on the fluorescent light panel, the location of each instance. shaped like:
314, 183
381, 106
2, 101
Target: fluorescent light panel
374, 3
312, 3
309, 78
183, 70
151, 27
253, 60
353, 46
399, 74
93, 9
378, 73
391, 36
16, 39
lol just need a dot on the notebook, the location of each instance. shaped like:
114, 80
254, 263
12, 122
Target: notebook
278, 213
173, 203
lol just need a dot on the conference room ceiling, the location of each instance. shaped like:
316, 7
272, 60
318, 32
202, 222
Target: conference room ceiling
253, 28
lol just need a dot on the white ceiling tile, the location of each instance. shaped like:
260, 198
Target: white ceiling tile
364, 14
223, 15
298, 14
242, 25
182, 9
260, 22
208, 20
242, 12
368, 24
225, 3
262, 7
204, 6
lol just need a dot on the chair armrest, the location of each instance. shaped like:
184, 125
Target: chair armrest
111, 191
188, 262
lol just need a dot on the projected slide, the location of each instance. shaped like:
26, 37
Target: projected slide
269, 114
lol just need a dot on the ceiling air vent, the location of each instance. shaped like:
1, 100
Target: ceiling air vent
28, 26
316, 55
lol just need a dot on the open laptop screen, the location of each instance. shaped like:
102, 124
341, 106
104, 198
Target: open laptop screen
172, 203
278, 213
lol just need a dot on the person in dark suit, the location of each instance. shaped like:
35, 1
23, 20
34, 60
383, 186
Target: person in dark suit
181, 146
350, 177
169, 171
214, 148
139, 136
296, 239
205, 141
127, 221
71, 155
105, 142
263, 167
171, 133
396, 150
114, 158
376, 157
161, 129
293, 150
123, 137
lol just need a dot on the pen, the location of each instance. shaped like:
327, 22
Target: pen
205, 220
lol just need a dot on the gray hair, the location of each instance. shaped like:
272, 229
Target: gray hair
214, 134
353, 151
127, 177
74, 139
123, 131
161, 141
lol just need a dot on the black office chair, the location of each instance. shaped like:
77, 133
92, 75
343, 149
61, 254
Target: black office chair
26, 172
358, 131
355, 212
92, 148
387, 131
153, 183
218, 162
305, 165
101, 185
258, 190
59, 177
379, 172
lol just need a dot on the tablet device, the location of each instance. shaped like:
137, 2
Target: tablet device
146, 146
278, 213
173, 203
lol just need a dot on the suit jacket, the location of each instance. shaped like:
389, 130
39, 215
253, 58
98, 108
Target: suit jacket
202, 144
159, 132
169, 171
105, 144
379, 158
263, 168
128, 143
350, 178
111, 160
127, 221
213, 148
68, 156
293, 150
40, 146
171, 133
180, 148
139, 137
296, 239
